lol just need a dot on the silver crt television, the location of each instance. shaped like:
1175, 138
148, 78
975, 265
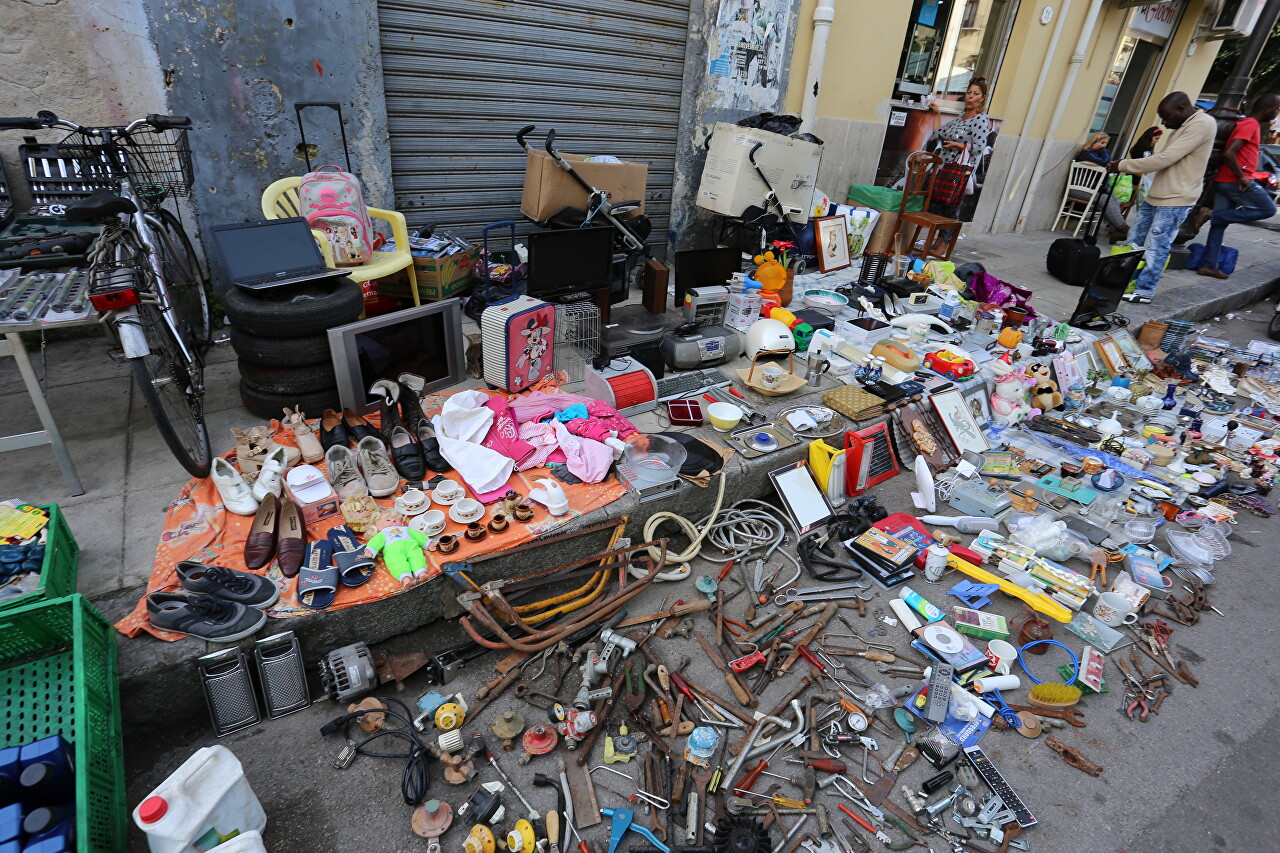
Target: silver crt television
427, 340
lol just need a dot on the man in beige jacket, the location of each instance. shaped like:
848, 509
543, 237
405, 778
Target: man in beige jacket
1179, 175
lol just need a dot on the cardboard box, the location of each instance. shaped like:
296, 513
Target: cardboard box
438, 278
317, 510
730, 184
882, 236
548, 188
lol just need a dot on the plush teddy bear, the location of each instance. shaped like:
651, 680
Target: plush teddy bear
1044, 391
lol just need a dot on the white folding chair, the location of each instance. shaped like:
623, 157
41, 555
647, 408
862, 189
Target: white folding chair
1084, 180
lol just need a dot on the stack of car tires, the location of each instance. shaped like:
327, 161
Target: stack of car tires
279, 336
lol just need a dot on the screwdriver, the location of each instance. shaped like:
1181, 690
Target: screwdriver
683, 686
753, 775
807, 654
823, 765
778, 800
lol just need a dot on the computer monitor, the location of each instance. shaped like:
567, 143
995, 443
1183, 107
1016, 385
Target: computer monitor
702, 267
569, 260
1101, 296
426, 340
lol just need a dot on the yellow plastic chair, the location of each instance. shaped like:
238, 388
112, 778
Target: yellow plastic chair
280, 201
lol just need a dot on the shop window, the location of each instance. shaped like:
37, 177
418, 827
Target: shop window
949, 42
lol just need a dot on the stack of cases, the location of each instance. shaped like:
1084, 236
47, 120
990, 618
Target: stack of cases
517, 336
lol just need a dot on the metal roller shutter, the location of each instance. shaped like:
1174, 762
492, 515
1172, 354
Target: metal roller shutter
462, 76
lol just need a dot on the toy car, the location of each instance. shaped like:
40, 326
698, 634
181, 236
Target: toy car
950, 365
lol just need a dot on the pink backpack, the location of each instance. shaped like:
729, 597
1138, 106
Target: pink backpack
331, 201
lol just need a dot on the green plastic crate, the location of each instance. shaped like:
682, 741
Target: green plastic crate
61, 563
58, 676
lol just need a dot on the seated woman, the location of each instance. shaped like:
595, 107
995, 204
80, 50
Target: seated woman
1095, 152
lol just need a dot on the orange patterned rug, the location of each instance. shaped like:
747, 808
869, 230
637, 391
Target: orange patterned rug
197, 527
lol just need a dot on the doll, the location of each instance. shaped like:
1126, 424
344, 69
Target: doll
401, 547
1009, 402
1044, 392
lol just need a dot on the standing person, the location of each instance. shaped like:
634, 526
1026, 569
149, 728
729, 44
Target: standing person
1237, 196
968, 134
1179, 173
1095, 152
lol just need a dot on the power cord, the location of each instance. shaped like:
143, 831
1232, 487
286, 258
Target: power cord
416, 776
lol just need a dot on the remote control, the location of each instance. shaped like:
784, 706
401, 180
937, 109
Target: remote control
999, 786
939, 695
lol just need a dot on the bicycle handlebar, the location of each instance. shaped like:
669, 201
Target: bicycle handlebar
46, 119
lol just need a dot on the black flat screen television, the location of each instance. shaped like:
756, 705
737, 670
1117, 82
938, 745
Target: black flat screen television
704, 268
569, 260
1101, 296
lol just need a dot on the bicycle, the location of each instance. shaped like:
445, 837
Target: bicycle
144, 276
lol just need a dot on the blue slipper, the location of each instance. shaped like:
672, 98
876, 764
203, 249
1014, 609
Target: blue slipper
354, 568
318, 578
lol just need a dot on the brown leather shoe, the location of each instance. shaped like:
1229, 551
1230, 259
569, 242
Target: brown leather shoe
291, 544
1212, 273
260, 546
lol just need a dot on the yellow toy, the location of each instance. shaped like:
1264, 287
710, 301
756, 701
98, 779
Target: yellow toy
772, 277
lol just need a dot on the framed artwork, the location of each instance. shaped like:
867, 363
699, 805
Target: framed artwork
922, 439
832, 234
978, 399
1111, 355
803, 499
1131, 349
959, 422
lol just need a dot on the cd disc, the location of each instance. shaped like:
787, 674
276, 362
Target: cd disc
943, 639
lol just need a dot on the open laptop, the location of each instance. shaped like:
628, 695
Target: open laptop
271, 253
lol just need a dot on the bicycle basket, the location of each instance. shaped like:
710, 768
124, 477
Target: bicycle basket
157, 162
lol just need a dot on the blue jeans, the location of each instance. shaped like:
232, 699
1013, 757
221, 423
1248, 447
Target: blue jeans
1156, 228
1231, 204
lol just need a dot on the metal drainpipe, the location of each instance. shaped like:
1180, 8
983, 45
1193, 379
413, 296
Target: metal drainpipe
1032, 108
1073, 69
823, 15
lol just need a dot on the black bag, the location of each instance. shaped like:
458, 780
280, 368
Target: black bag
1073, 260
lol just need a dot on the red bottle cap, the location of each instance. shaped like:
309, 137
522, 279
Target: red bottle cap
152, 809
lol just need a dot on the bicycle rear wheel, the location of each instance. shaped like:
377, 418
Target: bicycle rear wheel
184, 280
172, 392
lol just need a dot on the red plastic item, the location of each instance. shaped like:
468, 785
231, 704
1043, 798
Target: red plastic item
750, 779
862, 823
152, 809
807, 654
745, 663
114, 299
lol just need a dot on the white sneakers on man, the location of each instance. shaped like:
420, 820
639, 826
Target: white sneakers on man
271, 474
237, 497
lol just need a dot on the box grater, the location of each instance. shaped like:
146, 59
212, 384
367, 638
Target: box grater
278, 659
228, 688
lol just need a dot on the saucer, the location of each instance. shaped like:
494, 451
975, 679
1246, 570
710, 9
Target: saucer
419, 524
465, 518
410, 513
436, 497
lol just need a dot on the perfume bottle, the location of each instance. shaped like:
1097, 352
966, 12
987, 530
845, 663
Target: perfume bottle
1169, 400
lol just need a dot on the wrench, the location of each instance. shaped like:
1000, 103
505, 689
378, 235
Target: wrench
820, 593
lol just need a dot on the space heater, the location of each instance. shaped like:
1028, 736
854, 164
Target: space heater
870, 458
623, 383
517, 337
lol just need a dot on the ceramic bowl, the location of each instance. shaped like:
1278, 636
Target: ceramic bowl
724, 416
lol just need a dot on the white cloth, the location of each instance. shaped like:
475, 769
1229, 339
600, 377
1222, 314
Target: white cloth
462, 424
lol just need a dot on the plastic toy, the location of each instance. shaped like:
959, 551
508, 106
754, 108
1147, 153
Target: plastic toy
950, 365
401, 548
1044, 392
772, 277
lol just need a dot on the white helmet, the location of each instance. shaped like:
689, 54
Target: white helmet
767, 336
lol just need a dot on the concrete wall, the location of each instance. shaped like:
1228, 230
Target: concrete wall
91, 61
237, 68
706, 101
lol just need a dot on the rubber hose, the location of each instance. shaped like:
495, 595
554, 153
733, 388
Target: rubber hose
694, 534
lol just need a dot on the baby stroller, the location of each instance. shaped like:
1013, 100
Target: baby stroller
630, 251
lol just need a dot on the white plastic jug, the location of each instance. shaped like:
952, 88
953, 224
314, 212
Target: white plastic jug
203, 803
250, 842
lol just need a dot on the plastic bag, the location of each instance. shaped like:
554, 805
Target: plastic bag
879, 697
1122, 188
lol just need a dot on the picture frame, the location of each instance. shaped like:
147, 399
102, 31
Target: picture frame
832, 233
1111, 355
953, 410
1131, 349
801, 495
923, 440
978, 398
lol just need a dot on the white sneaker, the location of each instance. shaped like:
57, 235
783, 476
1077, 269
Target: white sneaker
344, 473
237, 497
376, 466
270, 474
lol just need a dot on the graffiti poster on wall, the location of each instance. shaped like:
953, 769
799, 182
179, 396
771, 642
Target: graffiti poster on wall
746, 52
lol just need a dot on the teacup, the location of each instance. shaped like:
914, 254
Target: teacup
447, 491
430, 522
1115, 610
468, 509
771, 376
412, 502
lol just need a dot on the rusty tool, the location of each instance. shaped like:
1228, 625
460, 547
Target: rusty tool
720, 702
680, 608
1181, 673
1072, 756
602, 710
879, 790
740, 691
1071, 715
1011, 830
586, 809
828, 612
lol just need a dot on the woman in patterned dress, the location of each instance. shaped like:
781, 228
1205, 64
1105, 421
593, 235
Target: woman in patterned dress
967, 132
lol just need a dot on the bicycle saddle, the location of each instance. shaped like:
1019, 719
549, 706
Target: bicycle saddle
102, 203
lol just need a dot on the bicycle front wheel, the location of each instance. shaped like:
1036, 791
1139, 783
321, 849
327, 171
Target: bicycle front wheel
171, 390
184, 280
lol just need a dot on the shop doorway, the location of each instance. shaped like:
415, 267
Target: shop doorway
462, 77
1124, 92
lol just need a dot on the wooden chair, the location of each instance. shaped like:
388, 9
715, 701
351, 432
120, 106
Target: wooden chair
1084, 180
922, 169
280, 201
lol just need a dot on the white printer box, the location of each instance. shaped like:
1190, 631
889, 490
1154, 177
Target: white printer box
730, 184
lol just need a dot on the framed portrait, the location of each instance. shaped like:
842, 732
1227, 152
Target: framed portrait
1131, 349
978, 399
958, 420
1110, 354
832, 234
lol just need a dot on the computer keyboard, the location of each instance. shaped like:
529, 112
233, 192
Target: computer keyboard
690, 384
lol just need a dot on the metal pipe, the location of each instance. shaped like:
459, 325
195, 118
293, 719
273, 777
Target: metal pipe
1031, 115
742, 756
1073, 70
823, 15
761, 749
